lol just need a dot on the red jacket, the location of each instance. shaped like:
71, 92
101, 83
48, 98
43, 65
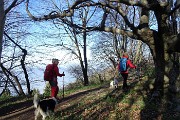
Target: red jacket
129, 64
56, 70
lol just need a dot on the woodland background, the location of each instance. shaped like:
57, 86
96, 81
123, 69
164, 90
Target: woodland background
89, 36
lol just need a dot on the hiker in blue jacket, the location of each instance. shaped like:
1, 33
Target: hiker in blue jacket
124, 64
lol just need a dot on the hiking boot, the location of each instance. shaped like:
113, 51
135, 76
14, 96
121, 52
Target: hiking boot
125, 87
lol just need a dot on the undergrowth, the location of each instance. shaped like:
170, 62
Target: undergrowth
114, 104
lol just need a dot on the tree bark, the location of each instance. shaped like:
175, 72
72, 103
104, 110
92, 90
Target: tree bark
158, 56
86, 82
138, 55
2, 22
167, 67
172, 70
25, 71
21, 92
7, 73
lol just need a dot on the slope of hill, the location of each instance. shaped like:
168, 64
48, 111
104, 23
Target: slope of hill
101, 103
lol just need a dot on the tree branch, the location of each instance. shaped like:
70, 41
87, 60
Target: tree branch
11, 6
22, 61
52, 15
142, 3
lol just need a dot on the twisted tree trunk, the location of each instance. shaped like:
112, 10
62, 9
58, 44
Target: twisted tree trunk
2, 22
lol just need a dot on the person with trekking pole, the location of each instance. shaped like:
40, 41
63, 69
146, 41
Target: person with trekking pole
124, 64
50, 74
63, 85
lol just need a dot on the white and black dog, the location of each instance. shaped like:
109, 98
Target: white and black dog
114, 83
44, 107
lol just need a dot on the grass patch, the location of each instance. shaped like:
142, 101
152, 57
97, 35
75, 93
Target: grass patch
10, 100
77, 89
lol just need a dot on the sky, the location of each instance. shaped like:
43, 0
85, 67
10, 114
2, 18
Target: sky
42, 33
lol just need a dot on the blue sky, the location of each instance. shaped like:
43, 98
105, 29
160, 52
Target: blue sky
55, 36
34, 43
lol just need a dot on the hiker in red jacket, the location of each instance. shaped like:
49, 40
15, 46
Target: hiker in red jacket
54, 83
124, 73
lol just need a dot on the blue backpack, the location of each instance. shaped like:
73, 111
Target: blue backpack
123, 64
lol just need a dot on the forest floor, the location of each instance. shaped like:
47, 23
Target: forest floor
100, 103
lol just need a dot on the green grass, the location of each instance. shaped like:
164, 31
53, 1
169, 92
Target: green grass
10, 100
77, 89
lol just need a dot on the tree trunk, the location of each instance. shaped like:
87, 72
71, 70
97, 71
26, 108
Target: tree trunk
7, 73
115, 45
100, 78
124, 45
159, 70
21, 92
25, 71
2, 22
172, 70
167, 67
138, 55
157, 51
86, 81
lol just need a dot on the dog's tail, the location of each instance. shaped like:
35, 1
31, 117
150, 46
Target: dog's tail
36, 100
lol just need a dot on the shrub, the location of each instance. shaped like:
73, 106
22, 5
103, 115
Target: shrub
149, 71
35, 91
47, 90
6, 94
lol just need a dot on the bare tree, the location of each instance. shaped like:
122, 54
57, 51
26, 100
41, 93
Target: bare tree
83, 16
106, 49
10, 20
2, 22
162, 43
78, 38
3, 13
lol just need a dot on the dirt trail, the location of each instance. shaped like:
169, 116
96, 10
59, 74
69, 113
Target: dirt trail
28, 113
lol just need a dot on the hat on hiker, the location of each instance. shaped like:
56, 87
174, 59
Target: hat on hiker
55, 60
125, 54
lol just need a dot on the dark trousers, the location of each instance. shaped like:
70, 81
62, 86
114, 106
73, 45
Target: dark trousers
125, 76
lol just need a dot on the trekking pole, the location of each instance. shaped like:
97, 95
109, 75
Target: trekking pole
63, 85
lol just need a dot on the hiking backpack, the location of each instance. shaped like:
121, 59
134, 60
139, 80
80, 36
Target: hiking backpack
48, 73
123, 64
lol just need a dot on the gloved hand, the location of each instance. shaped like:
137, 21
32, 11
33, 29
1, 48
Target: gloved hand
63, 74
